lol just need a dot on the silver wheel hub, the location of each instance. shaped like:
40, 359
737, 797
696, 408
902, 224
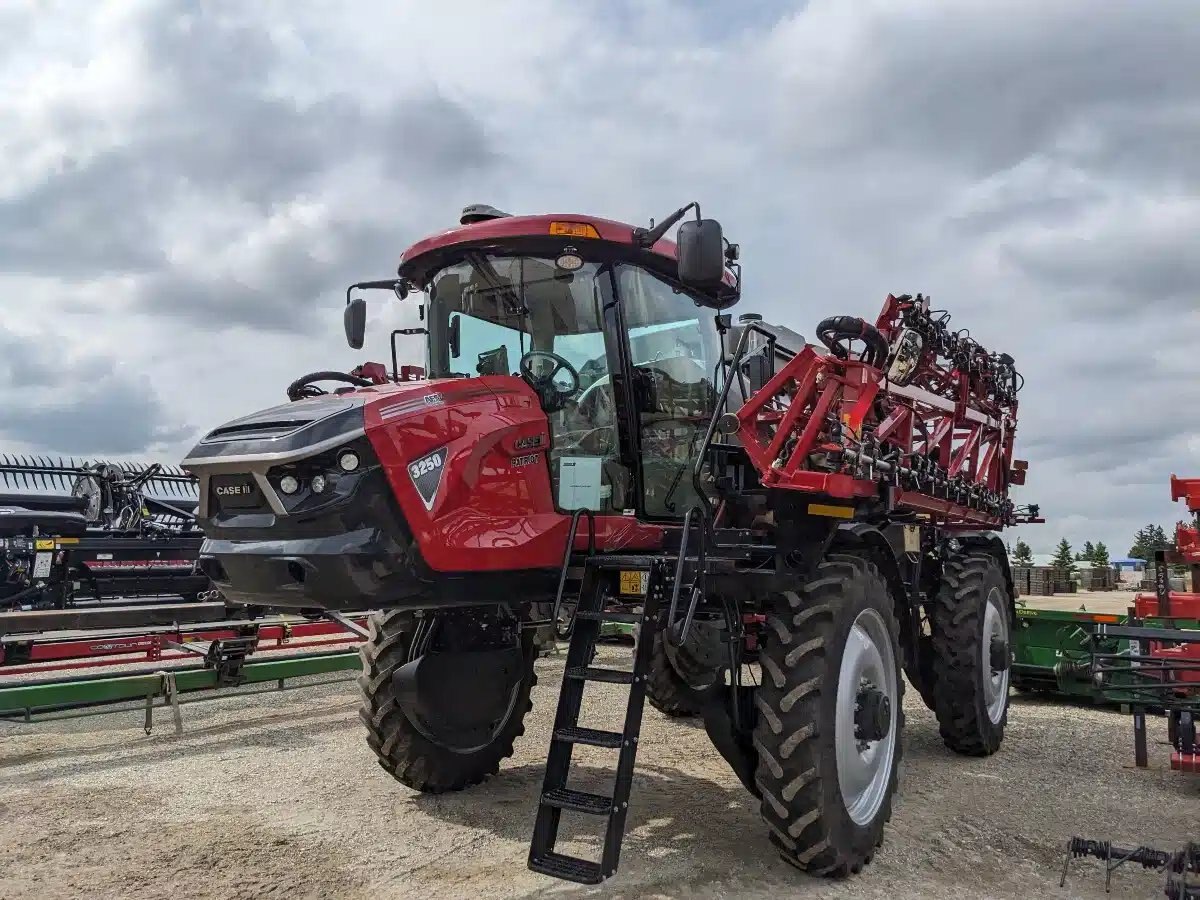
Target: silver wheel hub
995, 650
865, 718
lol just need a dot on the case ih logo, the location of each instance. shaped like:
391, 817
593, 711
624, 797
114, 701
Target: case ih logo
426, 474
528, 443
233, 490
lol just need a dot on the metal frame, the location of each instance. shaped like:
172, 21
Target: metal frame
942, 441
26, 654
223, 650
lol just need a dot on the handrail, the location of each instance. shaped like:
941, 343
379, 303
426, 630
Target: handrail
694, 600
719, 410
570, 548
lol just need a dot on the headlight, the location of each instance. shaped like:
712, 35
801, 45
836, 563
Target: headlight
288, 484
318, 484
348, 461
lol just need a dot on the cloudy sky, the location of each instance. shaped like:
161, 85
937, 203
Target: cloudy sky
184, 195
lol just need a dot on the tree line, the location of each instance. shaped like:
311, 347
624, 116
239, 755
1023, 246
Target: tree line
1145, 543
1065, 557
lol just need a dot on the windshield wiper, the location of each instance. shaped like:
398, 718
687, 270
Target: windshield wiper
668, 503
508, 300
508, 296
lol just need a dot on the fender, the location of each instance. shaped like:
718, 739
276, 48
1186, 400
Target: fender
883, 553
867, 537
987, 542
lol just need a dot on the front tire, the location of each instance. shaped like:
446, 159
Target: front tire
408, 752
830, 717
972, 628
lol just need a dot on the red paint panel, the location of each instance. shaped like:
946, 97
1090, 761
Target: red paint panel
493, 510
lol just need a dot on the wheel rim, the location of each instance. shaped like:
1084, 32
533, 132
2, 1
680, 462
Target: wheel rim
865, 766
995, 683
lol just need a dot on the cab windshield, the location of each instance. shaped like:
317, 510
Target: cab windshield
521, 315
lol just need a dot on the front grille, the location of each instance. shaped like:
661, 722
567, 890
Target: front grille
235, 494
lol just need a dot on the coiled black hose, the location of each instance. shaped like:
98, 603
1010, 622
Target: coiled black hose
832, 331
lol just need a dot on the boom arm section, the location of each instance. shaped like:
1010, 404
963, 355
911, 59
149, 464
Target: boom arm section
923, 418
1187, 538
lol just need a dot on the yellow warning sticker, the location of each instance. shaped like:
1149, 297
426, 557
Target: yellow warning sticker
45, 544
836, 512
634, 583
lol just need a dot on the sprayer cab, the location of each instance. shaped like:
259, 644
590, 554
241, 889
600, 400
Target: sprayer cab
610, 326
569, 364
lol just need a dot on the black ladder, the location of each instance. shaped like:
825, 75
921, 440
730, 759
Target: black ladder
556, 794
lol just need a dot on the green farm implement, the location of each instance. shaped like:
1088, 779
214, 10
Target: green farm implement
1053, 648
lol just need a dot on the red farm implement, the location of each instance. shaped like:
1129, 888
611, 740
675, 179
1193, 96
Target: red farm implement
1161, 668
54, 672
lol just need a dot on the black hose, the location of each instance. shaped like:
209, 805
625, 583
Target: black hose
835, 329
296, 390
20, 595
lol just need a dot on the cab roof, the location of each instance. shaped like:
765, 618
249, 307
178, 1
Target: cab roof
545, 233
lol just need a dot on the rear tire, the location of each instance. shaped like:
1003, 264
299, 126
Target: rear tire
675, 693
404, 751
972, 608
827, 782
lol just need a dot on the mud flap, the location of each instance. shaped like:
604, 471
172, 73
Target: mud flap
733, 740
461, 694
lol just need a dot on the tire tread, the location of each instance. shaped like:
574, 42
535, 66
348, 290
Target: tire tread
400, 749
794, 766
957, 622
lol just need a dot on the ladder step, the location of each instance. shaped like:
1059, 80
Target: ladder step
609, 616
579, 801
595, 737
632, 563
581, 871
612, 676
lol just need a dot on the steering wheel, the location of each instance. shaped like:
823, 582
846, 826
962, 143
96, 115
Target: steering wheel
551, 395
303, 387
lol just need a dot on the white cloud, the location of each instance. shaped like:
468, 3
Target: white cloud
185, 191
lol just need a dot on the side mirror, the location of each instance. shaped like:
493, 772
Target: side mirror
700, 252
455, 336
355, 320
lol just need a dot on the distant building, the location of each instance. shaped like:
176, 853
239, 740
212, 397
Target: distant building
1132, 565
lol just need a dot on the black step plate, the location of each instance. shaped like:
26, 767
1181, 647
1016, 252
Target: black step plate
579, 801
593, 736
611, 676
568, 868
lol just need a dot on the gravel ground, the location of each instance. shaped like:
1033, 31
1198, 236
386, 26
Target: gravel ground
277, 795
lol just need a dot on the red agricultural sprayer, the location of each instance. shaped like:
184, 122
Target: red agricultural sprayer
597, 440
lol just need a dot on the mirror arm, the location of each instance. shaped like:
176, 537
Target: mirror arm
648, 237
400, 286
